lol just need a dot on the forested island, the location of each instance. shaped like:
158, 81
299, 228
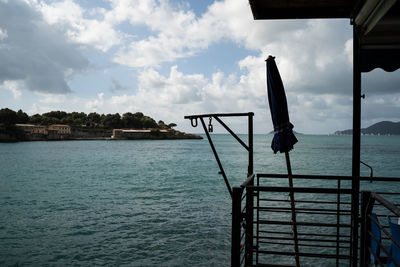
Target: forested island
61, 125
380, 128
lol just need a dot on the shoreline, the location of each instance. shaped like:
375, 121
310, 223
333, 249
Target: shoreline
177, 136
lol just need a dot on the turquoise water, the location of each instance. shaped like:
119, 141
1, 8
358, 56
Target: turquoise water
145, 203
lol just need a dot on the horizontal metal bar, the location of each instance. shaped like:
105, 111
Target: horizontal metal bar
304, 201
301, 223
219, 115
302, 239
305, 234
302, 254
387, 193
272, 265
308, 212
304, 245
328, 177
328, 211
299, 189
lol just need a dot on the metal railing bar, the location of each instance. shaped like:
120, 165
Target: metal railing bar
299, 189
381, 246
328, 177
219, 115
303, 239
301, 223
303, 254
305, 245
272, 265
389, 235
386, 203
376, 257
301, 209
387, 193
257, 218
241, 249
241, 260
304, 201
305, 234
306, 212
241, 237
243, 211
305, 176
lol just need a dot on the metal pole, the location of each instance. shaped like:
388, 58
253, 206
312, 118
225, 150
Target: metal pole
356, 146
250, 199
251, 166
365, 226
236, 226
216, 157
293, 210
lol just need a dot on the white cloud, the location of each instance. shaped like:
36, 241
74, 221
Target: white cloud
3, 34
70, 16
35, 53
96, 104
176, 33
14, 87
47, 98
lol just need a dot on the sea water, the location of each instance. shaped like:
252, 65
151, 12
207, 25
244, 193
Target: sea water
146, 203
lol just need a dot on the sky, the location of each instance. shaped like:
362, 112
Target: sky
171, 58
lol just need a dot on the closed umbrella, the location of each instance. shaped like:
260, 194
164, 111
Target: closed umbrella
284, 138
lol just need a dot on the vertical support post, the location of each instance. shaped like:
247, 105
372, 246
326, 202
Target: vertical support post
356, 146
249, 226
236, 225
250, 199
250, 133
367, 204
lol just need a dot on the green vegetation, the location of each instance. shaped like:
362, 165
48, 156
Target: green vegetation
136, 120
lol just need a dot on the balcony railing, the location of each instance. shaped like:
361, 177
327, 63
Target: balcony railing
326, 208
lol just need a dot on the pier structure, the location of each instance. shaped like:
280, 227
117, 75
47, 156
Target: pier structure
338, 224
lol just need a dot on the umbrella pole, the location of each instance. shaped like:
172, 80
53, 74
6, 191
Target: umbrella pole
292, 208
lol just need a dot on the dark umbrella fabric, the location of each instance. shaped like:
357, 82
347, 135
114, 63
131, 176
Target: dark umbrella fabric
284, 138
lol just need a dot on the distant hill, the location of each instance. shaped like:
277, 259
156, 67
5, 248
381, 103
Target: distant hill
380, 128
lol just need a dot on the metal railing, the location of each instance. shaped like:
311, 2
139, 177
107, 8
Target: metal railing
326, 208
381, 252
242, 224
323, 220
263, 237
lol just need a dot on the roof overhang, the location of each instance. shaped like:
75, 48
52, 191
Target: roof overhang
377, 24
301, 9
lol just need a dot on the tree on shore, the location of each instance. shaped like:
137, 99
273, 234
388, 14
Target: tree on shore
80, 119
8, 116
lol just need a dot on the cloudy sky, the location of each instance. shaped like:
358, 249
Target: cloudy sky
170, 58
